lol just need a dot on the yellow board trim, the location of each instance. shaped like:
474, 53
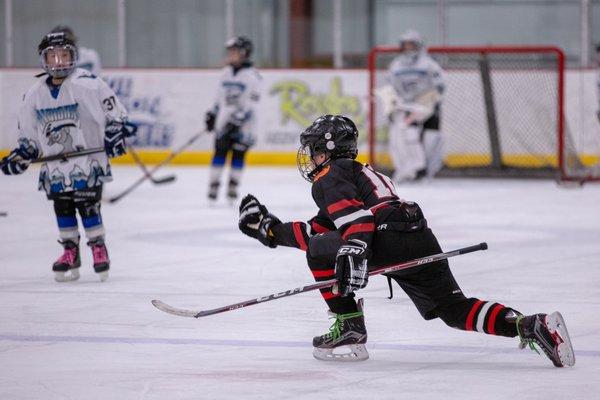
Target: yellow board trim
289, 158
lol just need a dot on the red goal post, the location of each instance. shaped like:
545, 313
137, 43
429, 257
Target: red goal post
503, 112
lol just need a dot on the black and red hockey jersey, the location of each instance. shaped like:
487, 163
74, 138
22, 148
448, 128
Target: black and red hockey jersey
352, 199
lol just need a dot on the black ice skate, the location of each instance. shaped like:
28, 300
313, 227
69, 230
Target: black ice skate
348, 333
550, 333
66, 268
232, 193
213, 191
100, 256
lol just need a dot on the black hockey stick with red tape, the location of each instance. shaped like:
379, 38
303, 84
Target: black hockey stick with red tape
320, 285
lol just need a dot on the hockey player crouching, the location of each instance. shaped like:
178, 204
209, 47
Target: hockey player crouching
361, 225
64, 112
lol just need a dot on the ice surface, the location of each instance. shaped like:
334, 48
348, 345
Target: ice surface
93, 340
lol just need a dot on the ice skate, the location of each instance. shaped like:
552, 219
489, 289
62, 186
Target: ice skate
66, 268
550, 333
213, 192
346, 339
100, 256
232, 193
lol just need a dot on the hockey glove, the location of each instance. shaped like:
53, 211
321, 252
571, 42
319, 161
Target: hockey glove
114, 137
210, 119
351, 267
598, 115
256, 222
19, 159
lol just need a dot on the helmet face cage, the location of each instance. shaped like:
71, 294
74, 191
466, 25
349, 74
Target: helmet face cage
51, 56
53, 63
305, 163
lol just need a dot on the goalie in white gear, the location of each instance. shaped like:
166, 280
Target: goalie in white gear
232, 116
412, 105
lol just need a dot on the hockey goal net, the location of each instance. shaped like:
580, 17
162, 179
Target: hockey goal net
502, 114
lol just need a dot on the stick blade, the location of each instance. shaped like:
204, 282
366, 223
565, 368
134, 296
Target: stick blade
173, 310
165, 179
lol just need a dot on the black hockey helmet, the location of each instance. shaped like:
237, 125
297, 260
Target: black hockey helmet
333, 135
242, 44
55, 40
67, 30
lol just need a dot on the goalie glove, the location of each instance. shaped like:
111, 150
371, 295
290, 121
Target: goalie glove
256, 221
351, 267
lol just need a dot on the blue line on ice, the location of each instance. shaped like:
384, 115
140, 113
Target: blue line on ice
265, 343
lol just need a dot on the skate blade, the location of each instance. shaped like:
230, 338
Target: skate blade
556, 325
72, 275
353, 352
103, 275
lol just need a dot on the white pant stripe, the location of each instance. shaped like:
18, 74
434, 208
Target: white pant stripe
481, 316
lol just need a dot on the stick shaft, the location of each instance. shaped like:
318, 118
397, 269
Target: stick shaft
156, 167
331, 282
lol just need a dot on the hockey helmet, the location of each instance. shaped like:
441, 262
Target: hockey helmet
242, 44
67, 31
53, 41
412, 37
333, 135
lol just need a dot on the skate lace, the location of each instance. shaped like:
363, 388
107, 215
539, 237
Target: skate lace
335, 331
68, 257
99, 254
525, 341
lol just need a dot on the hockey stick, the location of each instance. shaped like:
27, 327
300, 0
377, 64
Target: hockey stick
63, 156
320, 285
138, 161
156, 167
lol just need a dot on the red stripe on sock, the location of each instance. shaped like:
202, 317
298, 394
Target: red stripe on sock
492, 320
323, 273
299, 236
471, 316
328, 295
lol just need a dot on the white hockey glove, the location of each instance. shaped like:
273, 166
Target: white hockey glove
256, 221
351, 267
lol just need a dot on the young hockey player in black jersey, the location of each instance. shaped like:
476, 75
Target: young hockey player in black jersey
361, 225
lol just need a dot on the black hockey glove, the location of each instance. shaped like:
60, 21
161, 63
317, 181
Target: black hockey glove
351, 267
209, 119
114, 137
256, 222
19, 159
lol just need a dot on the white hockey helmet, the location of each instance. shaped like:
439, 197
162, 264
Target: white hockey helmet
411, 46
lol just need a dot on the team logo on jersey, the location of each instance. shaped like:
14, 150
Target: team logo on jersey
59, 132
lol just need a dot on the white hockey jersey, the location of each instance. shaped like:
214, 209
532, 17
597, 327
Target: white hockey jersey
410, 80
238, 94
67, 118
89, 59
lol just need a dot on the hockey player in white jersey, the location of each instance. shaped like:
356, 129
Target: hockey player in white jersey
415, 87
66, 111
232, 116
87, 59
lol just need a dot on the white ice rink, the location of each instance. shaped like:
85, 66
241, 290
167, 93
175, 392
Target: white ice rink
92, 340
